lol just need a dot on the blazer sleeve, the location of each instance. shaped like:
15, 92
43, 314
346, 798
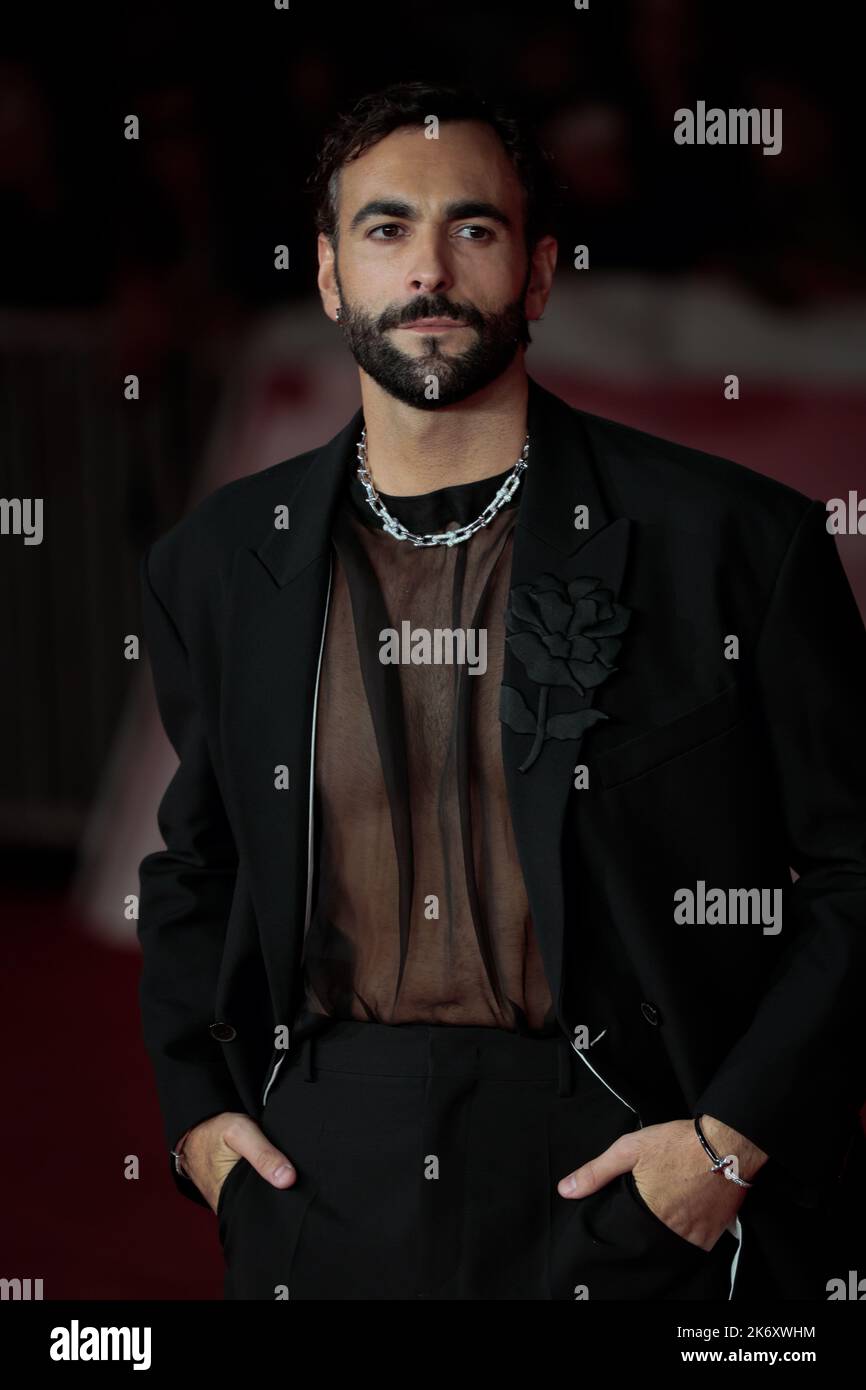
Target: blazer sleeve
185, 898
795, 1082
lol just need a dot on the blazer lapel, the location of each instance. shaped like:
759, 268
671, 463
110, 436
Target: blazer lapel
274, 634
561, 477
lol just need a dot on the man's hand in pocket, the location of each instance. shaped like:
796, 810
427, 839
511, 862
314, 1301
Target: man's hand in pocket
213, 1147
672, 1175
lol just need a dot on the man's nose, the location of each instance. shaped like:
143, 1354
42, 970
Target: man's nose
429, 272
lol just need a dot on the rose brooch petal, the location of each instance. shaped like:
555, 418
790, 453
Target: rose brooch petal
564, 634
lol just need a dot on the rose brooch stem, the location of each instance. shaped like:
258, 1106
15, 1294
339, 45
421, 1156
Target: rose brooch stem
539, 730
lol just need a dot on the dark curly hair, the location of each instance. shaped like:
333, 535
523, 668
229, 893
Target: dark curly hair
409, 103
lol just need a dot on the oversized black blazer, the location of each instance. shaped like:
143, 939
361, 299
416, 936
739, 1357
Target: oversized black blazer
741, 766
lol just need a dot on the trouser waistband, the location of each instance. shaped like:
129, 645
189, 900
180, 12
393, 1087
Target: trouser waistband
424, 1049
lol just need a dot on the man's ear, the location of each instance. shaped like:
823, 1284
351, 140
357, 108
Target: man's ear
541, 271
327, 276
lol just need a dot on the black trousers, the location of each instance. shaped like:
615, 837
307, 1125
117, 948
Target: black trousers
427, 1160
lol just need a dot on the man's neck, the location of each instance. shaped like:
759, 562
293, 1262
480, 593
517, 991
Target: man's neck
412, 451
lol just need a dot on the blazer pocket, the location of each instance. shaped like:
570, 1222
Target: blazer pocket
682, 735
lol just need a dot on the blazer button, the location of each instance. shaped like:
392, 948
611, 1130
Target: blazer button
650, 1013
223, 1032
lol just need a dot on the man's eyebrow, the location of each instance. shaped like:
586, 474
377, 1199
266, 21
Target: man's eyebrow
394, 207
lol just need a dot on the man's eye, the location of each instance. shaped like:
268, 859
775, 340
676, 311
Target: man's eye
386, 228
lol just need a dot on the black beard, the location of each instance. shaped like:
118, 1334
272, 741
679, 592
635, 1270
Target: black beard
458, 374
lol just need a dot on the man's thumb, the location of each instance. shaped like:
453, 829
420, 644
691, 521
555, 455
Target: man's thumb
269, 1161
281, 1172
589, 1177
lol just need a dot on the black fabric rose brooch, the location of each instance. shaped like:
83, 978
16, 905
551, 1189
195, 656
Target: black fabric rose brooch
564, 634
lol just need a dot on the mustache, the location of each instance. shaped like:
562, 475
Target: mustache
430, 308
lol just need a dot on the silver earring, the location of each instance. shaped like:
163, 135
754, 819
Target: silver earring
338, 310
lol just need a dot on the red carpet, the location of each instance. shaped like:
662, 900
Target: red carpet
79, 1099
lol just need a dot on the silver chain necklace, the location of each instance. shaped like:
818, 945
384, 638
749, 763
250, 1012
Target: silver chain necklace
396, 528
